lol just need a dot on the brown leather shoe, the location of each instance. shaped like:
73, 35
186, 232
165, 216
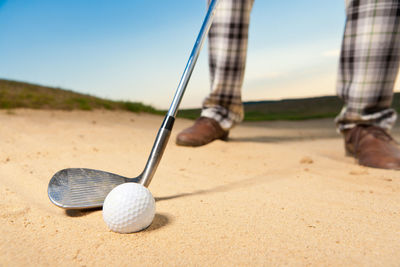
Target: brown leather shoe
373, 147
204, 131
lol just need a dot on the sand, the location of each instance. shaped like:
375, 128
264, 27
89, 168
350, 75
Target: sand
278, 193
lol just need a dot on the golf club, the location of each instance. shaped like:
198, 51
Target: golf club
80, 188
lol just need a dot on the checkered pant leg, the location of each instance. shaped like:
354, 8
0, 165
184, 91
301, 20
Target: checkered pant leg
369, 63
227, 41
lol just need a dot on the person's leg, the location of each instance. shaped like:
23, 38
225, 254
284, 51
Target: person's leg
368, 67
223, 108
369, 63
227, 44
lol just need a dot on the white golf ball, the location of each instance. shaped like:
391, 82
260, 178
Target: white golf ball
129, 208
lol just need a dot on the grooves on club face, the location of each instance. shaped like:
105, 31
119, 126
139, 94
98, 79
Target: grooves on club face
80, 188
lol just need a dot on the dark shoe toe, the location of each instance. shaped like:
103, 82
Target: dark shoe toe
372, 147
204, 131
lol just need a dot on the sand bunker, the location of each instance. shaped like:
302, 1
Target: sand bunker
278, 193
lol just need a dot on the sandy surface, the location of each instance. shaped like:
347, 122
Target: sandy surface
278, 193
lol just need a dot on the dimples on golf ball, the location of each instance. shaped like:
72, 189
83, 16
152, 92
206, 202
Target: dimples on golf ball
128, 208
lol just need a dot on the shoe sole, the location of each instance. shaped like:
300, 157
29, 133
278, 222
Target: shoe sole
184, 143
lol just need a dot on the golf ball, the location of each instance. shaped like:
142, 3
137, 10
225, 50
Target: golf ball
129, 208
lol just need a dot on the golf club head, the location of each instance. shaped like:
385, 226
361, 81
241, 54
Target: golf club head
79, 188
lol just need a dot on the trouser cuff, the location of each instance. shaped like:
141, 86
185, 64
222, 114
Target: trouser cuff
224, 117
385, 119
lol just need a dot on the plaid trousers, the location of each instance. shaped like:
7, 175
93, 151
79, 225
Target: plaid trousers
227, 48
368, 66
369, 63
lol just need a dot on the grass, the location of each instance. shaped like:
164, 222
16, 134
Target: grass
291, 109
15, 94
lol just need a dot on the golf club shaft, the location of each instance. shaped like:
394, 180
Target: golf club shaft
166, 127
192, 59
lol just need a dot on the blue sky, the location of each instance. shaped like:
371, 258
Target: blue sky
137, 50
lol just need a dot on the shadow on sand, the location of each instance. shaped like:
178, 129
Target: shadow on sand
222, 188
164, 219
80, 213
160, 220
281, 139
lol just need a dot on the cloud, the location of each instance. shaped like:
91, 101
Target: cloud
263, 75
293, 70
331, 53
311, 84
